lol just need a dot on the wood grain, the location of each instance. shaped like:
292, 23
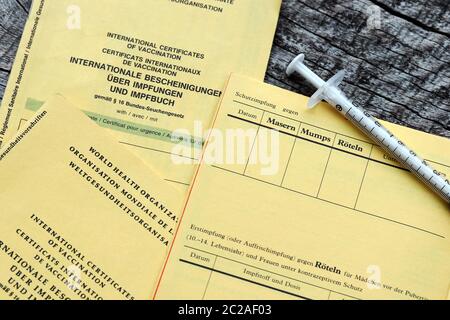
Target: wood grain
396, 53
13, 15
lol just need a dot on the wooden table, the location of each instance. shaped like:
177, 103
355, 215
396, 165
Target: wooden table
397, 53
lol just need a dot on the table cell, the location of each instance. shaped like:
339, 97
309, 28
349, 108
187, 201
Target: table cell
244, 112
306, 167
255, 283
398, 195
270, 156
198, 257
280, 123
225, 287
318, 135
343, 178
230, 148
380, 155
354, 146
191, 263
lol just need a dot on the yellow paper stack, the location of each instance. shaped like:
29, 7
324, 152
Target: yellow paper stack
133, 166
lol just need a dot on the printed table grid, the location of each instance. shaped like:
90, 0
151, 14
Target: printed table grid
334, 156
315, 291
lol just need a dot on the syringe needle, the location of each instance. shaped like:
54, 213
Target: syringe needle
330, 92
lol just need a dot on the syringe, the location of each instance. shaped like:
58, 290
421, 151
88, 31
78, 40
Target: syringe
330, 92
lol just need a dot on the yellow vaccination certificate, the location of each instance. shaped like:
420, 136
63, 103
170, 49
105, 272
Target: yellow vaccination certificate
290, 203
150, 71
81, 217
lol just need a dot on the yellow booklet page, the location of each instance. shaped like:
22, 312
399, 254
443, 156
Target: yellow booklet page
330, 216
144, 69
81, 216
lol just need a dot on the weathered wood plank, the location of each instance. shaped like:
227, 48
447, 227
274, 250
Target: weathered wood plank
431, 15
26, 4
13, 17
397, 53
12, 21
398, 70
3, 79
